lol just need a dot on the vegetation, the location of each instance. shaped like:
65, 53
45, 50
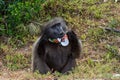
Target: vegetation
20, 24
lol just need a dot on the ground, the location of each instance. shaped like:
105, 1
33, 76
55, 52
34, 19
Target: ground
100, 58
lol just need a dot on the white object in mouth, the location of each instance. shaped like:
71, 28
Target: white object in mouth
65, 42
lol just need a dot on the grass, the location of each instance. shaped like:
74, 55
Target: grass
16, 61
100, 58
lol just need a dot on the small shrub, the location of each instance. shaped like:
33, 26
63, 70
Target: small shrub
2, 6
2, 30
14, 13
22, 12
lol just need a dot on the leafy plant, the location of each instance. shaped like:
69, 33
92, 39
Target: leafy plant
22, 12
2, 4
16, 12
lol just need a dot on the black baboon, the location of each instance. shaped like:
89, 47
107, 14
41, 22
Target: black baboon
56, 49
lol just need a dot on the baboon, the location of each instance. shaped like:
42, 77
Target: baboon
56, 49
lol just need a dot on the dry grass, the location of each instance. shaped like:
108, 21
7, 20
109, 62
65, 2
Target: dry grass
100, 58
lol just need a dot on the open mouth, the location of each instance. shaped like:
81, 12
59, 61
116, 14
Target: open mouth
63, 40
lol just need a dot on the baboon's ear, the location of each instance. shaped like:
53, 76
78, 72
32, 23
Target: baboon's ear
75, 44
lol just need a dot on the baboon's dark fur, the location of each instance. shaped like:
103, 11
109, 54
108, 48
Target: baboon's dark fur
52, 57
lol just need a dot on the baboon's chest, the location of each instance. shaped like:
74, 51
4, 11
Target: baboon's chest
57, 56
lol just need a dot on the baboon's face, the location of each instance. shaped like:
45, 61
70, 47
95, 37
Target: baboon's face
56, 31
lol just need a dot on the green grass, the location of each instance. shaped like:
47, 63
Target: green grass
16, 61
100, 58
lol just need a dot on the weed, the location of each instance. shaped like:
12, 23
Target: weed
83, 37
113, 23
16, 61
112, 52
95, 34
